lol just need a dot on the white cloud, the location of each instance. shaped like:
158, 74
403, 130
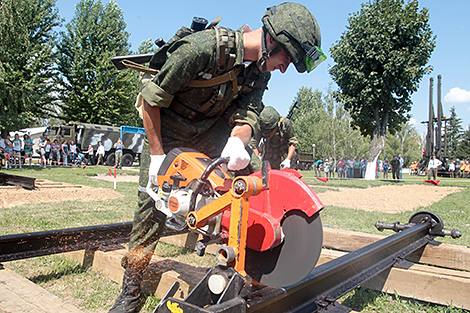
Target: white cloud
457, 95
412, 121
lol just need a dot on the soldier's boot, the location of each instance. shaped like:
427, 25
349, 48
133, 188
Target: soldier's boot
129, 299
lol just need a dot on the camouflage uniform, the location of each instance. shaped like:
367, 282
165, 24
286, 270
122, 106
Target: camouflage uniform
278, 139
198, 118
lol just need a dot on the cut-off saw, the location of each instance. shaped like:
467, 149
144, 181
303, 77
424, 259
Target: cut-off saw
267, 223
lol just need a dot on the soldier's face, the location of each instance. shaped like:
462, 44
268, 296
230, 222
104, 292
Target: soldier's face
280, 61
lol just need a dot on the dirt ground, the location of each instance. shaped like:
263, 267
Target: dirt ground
388, 199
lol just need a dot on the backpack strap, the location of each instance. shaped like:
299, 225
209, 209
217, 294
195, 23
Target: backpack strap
275, 129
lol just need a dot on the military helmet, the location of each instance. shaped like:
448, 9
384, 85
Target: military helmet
269, 118
295, 29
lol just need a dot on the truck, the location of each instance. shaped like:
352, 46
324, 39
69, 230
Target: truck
85, 134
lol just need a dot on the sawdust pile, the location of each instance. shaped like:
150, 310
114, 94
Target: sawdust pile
387, 199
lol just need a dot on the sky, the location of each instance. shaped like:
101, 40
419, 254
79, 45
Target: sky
449, 21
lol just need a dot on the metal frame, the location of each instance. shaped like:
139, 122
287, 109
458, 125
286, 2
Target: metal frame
328, 282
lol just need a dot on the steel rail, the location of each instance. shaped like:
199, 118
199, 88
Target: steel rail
15, 180
28, 245
319, 291
329, 281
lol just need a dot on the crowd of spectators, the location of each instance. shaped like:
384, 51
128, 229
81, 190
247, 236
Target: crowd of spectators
344, 168
16, 152
354, 167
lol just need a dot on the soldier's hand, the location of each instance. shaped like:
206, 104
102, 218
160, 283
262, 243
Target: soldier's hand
235, 150
285, 164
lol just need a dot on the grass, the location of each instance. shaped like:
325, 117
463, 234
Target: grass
93, 292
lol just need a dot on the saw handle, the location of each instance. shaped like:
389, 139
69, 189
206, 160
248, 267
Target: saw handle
203, 180
150, 191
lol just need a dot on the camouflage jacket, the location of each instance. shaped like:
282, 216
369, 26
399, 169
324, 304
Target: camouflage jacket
276, 145
194, 57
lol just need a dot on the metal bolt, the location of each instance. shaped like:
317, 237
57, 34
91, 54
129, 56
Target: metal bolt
191, 220
239, 186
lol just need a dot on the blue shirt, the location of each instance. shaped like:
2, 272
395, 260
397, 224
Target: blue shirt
119, 147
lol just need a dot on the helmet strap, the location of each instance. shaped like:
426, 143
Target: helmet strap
265, 53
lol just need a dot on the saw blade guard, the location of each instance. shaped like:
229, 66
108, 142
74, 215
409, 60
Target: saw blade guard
286, 192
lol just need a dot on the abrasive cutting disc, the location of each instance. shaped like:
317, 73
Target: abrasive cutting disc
294, 258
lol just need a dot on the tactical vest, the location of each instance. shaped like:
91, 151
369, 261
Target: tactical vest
279, 151
225, 58
226, 53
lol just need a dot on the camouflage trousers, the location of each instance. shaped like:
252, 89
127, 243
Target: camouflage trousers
149, 223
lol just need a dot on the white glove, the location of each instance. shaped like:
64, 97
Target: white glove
285, 164
155, 163
235, 150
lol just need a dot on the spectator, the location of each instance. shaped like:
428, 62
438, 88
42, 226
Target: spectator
73, 151
386, 168
341, 171
28, 148
402, 163
451, 168
8, 151
326, 167
64, 149
462, 169
317, 166
433, 165
100, 153
17, 143
47, 150
55, 152
395, 168
118, 153
332, 168
357, 168
378, 168
350, 167
42, 151
414, 168
2, 152
89, 155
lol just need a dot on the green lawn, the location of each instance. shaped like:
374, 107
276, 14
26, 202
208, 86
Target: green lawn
94, 293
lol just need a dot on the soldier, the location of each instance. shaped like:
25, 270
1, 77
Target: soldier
278, 139
179, 109
395, 163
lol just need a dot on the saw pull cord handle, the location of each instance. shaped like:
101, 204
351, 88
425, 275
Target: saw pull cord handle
150, 191
200, 183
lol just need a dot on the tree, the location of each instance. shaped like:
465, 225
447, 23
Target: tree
27, 61
380, 61
406, 142
147, 46
463, 149
93, 90
321, 121
305, 116
453, 133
